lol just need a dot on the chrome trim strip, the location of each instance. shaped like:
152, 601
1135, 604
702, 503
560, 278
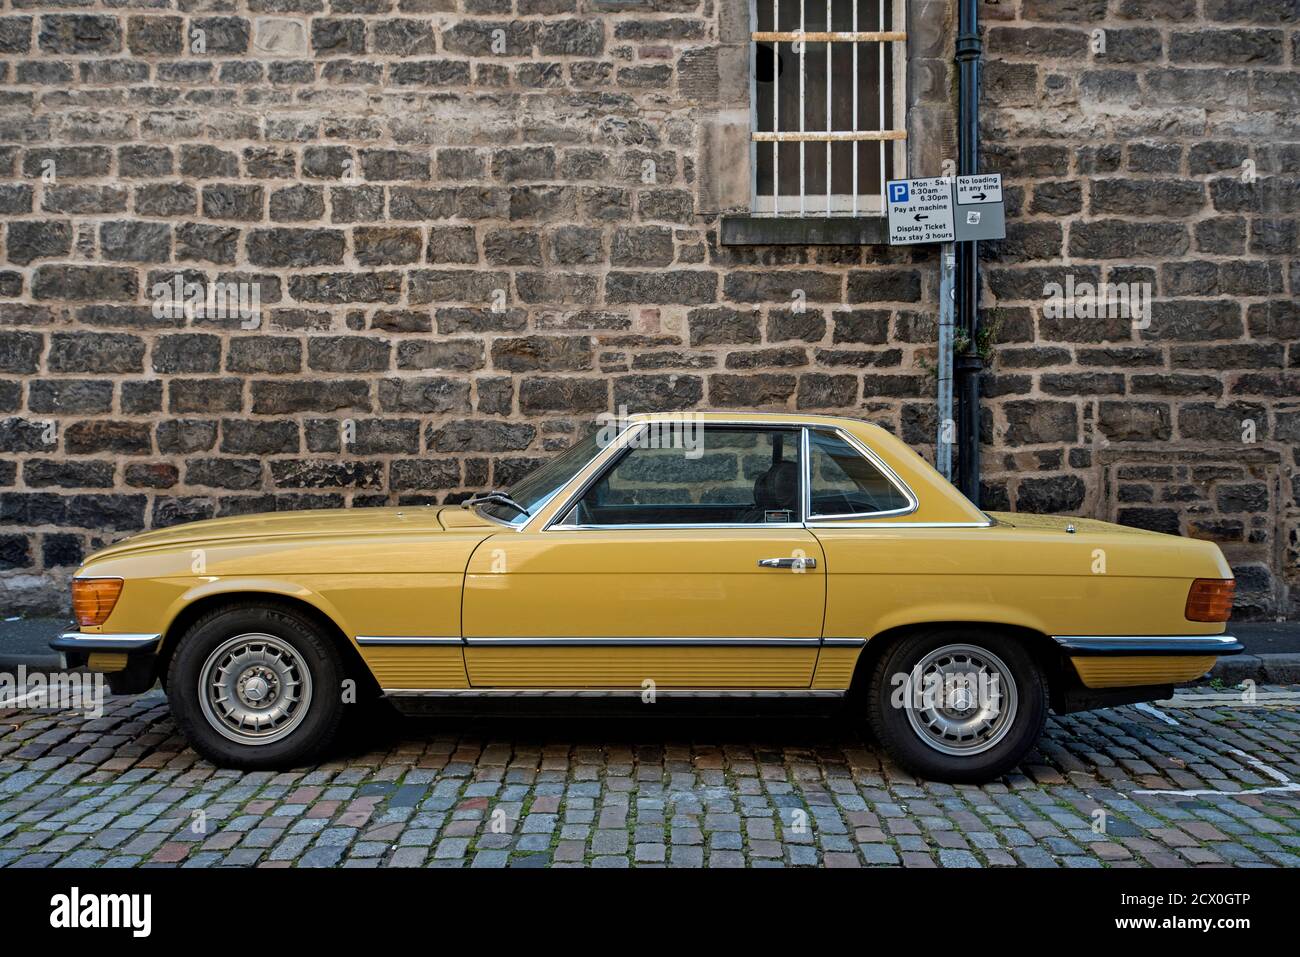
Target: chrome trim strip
372, 640
843, 642
647, 528
832, 524
607, 693
80, 641
691, 642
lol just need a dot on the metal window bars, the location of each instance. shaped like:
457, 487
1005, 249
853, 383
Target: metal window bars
890, 13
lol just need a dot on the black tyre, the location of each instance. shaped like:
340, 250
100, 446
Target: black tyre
957, 705
256, 686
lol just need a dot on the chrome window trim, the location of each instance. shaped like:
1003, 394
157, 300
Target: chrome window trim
602, 461
806, 498
819, 524
645, 528
913, 503
396, 640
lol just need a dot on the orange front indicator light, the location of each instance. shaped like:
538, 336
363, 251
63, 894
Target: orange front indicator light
93, 599
1210, 599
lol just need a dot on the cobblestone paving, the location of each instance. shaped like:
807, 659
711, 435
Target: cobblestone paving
122, 790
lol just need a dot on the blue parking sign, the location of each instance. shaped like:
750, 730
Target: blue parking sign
898, 192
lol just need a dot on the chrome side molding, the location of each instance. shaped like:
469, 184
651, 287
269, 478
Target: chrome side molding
396, 640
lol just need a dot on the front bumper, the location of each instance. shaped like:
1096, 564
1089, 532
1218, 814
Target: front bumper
78, 642
128, 662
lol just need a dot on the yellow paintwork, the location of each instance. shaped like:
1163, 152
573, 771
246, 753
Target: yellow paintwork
107, 661
834, 668
420, 666
448, 572
615, 667
1107, 672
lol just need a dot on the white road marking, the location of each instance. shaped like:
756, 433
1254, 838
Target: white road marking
1230, 699
1287, 785
1155, 712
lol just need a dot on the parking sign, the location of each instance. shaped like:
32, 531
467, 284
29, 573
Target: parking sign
920, 211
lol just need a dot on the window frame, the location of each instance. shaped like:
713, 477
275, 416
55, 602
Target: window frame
889, 474
769, 207
806, 520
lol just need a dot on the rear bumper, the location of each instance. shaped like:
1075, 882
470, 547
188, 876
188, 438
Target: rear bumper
1082, 646
1133, 661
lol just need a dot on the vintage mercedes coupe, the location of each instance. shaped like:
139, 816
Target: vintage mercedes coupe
715, 555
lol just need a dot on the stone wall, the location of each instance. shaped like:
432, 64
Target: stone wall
474, 224
1153, 142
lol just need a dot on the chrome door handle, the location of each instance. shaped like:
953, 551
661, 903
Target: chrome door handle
787, 563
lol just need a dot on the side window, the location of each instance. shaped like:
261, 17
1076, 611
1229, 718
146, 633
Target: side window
845, 482
736, 476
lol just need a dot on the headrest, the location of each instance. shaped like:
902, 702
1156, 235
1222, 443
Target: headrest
778, 487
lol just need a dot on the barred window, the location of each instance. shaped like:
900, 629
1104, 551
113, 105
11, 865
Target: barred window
826, 92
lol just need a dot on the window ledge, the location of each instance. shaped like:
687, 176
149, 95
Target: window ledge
803, 231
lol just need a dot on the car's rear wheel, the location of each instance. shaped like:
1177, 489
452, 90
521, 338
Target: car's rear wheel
256, 686
957, 705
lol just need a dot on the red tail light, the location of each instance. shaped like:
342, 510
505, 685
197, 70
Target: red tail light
1210, 599
93, 599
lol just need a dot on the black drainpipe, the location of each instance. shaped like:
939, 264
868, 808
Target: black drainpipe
968, 364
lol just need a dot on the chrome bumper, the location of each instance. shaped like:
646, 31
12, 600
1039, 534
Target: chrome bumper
1080, 645
77, 641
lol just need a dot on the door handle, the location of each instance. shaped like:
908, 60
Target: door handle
787, 563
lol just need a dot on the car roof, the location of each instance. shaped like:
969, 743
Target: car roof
775, 418
856, 426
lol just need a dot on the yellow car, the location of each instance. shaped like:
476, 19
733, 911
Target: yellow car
716, 554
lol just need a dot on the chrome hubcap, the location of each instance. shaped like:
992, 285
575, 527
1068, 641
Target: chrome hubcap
254, 689
961, 699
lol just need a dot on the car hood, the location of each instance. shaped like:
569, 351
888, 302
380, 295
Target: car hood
311, 523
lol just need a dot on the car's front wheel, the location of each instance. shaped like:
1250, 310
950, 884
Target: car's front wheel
957, 705
256, 686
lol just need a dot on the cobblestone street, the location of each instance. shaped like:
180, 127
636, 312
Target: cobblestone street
683, 790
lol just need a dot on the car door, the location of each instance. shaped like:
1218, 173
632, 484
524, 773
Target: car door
681, 567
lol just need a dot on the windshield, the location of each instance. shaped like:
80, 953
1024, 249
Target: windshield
535, 490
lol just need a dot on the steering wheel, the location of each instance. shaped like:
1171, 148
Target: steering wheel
582, 514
